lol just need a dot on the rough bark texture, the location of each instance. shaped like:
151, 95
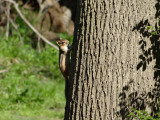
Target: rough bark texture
110, 73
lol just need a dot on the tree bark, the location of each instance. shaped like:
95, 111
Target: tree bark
109, 72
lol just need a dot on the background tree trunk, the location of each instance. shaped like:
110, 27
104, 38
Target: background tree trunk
110, 73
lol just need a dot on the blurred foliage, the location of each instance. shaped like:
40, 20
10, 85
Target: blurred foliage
32, 87
142, 115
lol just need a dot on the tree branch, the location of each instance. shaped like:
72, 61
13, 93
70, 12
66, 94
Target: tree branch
3, 71
28, 23
8, 19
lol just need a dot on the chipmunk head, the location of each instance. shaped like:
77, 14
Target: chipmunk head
63, 45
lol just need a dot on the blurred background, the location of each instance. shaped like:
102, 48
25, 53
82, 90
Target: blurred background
31, 84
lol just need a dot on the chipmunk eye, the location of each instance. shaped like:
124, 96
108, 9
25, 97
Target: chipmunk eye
62, 42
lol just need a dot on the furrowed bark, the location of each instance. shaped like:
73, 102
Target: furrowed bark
106, 77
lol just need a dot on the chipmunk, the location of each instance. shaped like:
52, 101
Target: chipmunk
64, 61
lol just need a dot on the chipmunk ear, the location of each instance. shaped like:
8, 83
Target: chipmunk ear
57, 42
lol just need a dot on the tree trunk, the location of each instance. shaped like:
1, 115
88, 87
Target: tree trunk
110, 69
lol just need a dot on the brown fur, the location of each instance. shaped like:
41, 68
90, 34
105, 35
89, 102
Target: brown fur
64, 59
64, 63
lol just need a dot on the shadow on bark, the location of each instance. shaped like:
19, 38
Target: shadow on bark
69, 103
150, 99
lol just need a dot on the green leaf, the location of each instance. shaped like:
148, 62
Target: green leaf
148, 27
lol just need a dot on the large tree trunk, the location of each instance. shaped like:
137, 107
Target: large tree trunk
107, 76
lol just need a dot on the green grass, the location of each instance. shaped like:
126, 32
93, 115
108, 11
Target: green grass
142, 115
33, 87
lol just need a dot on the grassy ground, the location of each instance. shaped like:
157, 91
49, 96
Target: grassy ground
32, 88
